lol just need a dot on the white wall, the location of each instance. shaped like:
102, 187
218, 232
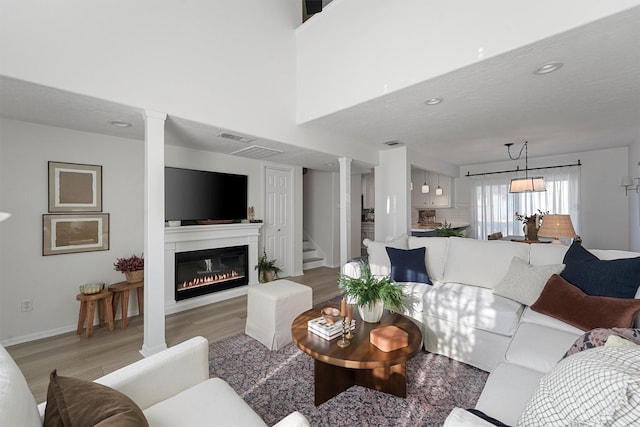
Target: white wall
52, 281
357, 50
393, 202
605, 212
297, 226
321, 213
634, 198
226, 63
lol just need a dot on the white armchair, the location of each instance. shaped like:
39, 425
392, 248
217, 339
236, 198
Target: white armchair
171, 387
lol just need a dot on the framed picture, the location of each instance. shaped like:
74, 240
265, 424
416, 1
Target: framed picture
73, 233
74, 187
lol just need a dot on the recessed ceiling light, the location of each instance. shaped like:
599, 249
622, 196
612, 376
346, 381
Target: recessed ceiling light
549, 67
120, 124
330, 164
433, 101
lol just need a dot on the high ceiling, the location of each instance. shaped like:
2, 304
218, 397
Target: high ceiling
592, 102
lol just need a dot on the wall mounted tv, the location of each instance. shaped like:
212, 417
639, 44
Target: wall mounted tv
192, 196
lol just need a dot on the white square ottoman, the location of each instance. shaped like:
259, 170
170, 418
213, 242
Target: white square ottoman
271, 308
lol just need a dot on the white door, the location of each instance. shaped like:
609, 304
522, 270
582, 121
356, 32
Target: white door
277, 227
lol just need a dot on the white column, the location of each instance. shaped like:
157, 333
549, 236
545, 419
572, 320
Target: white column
154, 315
345, 210
393, 202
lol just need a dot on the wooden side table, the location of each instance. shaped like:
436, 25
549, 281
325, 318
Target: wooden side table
122, 289
88, 310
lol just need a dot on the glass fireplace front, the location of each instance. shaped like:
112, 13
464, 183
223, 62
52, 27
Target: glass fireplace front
210, 270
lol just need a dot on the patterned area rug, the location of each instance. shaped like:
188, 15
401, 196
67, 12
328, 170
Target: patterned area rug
276, 383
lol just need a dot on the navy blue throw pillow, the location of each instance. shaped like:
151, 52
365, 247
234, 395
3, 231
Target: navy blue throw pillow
618, 278
408, 265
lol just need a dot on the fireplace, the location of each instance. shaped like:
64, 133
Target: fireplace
211, 270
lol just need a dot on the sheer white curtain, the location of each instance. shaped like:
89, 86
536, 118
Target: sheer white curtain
493, 208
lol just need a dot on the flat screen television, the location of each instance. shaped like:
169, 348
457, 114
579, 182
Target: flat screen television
194, 195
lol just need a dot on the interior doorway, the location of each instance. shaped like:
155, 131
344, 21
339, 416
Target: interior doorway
278, 214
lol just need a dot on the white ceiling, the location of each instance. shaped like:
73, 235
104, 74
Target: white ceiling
20, 100
592, 102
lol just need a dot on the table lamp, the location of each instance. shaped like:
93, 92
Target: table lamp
558, 227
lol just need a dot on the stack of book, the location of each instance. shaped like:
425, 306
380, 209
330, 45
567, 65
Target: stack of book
320, 327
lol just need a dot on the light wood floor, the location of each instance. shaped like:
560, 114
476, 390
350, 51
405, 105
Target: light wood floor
90, 358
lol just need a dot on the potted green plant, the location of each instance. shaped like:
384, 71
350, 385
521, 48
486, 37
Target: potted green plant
372, 294
447, 231
267, 268
132, 267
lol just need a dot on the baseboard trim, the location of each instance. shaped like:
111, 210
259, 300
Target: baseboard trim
39, 335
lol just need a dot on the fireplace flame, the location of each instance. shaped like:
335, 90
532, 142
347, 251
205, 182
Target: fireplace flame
209, 279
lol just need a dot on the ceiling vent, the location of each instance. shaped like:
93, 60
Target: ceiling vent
256, 152
235, 137
393, 143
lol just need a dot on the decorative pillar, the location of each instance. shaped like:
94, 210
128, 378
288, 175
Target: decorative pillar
154, 315
345, 210
393, 201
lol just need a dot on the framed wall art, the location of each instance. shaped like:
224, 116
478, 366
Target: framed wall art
75, 187
73, 233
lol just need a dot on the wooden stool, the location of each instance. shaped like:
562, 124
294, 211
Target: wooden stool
123, 288
88, 310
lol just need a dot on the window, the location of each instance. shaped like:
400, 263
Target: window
493, 208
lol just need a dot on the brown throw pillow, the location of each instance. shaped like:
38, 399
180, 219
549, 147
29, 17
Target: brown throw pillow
72, 402
562, 300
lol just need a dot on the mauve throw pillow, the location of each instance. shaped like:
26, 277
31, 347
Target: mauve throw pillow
618, 278
562, 300
408, 265
72, 402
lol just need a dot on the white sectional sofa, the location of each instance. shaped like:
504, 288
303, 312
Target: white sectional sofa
172, 388
465, 317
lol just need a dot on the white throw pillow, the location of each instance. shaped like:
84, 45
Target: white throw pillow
378, 257
618, 341
480, 262
524, 282
600, 386
435, 255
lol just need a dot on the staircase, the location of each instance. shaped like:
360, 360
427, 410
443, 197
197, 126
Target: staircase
312, 257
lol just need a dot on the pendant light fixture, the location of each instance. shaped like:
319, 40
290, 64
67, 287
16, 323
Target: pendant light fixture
526, 184
439, 189
425, 186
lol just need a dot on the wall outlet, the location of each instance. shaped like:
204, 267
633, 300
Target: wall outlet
27, 304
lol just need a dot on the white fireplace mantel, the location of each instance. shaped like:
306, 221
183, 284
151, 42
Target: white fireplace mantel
198, 237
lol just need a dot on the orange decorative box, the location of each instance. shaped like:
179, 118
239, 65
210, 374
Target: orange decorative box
389, 338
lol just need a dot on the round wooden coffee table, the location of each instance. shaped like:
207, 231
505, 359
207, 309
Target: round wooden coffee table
361, 363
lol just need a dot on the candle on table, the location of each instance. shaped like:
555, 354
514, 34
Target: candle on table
343, 308
349, 315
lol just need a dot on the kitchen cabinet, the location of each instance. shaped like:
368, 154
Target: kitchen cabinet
430, 199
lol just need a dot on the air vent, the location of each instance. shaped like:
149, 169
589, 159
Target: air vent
235, 137
392, 143
256, 152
